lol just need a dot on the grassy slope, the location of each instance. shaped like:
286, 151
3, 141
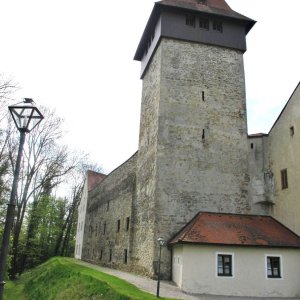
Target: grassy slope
61, 278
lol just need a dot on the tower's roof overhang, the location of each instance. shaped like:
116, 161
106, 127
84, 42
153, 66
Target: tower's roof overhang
212, 7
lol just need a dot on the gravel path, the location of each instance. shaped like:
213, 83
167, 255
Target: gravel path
167, 288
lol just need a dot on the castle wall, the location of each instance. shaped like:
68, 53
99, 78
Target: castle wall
284, 153
146, 201
202, 140
193, 153
81, 221
261, 187
109, 227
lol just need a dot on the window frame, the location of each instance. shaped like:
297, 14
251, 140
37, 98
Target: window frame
125, 256
272, 277
104, 228
225, 254
284, 179
204, 21
118, 225
190, 20
217, 26
110, 255
127, 223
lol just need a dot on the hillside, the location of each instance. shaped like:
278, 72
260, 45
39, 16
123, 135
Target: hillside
62, 278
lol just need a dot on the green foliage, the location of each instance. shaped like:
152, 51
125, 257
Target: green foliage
4, 189
46, 218
14, 290
63, 279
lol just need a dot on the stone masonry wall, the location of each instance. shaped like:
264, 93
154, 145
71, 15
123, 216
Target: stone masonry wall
109, 222
261, 190
145, 206
202, 155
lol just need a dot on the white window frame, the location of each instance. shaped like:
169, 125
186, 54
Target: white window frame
232, 266
266, 267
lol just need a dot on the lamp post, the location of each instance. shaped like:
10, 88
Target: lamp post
161, 242
26, 117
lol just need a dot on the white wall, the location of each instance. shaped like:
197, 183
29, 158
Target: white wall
177, 261
284, 154
199, 275
81, 222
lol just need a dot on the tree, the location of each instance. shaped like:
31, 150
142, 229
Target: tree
48, 214
66, 241
44, 165
7, 88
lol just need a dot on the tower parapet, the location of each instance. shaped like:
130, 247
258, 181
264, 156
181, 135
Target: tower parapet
210, 22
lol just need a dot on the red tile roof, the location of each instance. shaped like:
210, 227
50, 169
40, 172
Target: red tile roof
235, 229
218, 7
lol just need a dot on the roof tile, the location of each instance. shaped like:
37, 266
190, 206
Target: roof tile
236, 229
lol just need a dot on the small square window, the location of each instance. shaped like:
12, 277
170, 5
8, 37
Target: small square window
218, 26
284, 179
190, 20
224, 265
273, 267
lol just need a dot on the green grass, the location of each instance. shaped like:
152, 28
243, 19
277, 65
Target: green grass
63, 279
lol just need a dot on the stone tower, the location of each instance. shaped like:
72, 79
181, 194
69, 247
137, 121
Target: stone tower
193, 132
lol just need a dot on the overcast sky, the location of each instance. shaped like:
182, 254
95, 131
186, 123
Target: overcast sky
77, 56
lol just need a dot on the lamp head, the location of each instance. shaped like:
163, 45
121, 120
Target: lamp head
161, 241
26, 116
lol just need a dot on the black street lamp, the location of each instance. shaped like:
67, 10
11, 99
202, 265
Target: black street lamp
26, 117
161, 243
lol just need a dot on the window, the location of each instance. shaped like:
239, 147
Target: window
125, 256
190, 20
101, 254
204, 23
224, 267
127, 223
104, 228
218, 26
118, 225
284, 179
107, 208
273, 267
203, 96
110, 255
292, 131
203, 134
252, 145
